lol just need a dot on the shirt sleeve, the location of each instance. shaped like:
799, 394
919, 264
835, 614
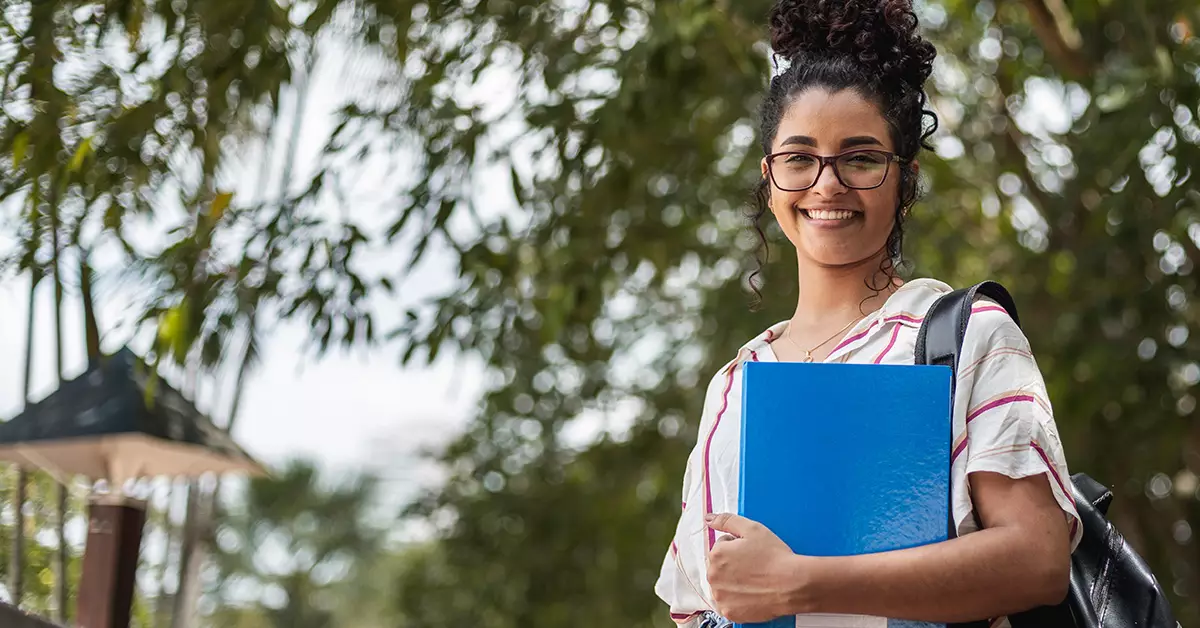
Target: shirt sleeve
1003, 419
681, 582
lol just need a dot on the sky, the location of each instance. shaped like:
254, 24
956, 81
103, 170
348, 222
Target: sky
347, 410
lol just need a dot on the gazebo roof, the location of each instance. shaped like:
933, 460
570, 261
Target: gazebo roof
118, 421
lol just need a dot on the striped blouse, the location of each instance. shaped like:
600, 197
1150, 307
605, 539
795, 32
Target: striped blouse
1002, 420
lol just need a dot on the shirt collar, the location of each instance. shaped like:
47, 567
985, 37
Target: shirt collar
906, 305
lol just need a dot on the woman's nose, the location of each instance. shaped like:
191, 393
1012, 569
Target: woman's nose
827, 183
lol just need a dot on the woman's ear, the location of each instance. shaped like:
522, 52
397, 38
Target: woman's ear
766, 179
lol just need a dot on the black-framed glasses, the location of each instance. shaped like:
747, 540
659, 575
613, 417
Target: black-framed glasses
865, 169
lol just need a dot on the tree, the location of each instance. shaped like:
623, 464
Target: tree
285, 545
611, 281
110, 104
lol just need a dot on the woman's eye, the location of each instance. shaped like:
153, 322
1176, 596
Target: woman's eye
866, 160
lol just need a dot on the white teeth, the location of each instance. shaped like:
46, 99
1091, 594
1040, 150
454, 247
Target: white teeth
829, 214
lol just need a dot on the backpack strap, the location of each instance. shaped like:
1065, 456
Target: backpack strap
940, 338
939, 343
948, 319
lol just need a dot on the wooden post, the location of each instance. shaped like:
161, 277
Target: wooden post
110, 561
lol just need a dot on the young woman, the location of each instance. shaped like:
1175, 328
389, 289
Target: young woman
841, 129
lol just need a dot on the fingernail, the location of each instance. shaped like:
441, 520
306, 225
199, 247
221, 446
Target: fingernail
709, 517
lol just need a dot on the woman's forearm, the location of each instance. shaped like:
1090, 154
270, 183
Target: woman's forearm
985, 574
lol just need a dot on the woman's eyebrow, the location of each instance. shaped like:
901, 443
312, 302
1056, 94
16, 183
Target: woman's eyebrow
860, 140
799, 139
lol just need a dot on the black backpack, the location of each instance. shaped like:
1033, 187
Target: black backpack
1111, 586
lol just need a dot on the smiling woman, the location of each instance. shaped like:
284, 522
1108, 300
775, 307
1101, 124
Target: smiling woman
841, 129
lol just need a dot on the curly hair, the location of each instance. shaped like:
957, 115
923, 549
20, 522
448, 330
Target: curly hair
873, 47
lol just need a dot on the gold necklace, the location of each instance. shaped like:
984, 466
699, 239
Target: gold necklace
808, 354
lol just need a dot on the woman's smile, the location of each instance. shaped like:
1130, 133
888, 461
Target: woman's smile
830, 218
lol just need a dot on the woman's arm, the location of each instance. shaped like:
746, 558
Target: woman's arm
1019, 560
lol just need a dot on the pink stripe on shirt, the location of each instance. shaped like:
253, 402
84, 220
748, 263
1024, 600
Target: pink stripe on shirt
708, 506
882, 354
958, 450
908, 318
863, 333
1053, 471
1003, 401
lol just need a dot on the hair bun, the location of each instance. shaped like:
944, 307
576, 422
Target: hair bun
881, 34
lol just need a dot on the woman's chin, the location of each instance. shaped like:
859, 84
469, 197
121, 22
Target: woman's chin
844, 259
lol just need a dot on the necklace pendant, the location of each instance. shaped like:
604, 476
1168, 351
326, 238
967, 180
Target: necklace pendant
808, 356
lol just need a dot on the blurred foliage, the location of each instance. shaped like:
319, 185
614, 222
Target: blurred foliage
41, 542
120, 111
287, 544
611, 287
127, 118
585, 165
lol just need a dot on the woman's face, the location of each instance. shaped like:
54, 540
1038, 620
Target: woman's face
830, 224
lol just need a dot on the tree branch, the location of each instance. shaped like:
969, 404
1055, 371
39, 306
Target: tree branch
1067, 59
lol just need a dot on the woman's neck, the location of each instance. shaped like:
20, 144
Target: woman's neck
833, 296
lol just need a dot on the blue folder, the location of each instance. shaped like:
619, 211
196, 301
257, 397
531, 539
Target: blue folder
846, 459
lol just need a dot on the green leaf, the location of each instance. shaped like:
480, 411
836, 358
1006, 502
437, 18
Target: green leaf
219, 203
81, 153
517, 188
173, 331
20, 147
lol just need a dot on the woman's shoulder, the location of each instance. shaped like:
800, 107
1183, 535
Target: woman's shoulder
988, 317
914, 298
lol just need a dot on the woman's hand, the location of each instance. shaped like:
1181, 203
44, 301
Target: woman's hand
1025, 544
754, 575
